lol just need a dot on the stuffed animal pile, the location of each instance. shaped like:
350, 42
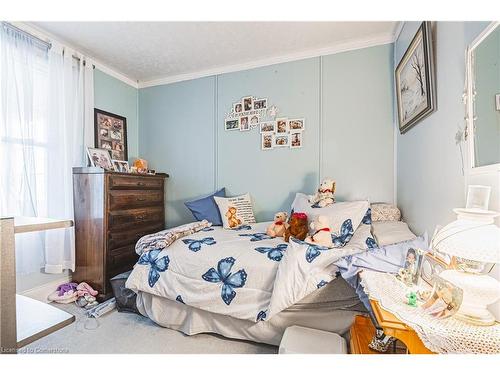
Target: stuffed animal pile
325, 194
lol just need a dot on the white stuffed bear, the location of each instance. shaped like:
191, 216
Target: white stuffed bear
322, 235
325, 194
278, 227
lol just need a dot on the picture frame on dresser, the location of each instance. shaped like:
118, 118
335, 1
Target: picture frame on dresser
110, 133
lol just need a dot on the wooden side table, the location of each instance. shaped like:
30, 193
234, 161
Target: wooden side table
396, 328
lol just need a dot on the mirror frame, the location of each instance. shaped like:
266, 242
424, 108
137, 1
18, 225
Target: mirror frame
469, 96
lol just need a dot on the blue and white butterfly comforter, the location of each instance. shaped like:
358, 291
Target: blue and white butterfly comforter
242, 273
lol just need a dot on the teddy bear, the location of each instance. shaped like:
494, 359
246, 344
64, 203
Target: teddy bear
297, 227
232, 220
278, 227
325, 194
321, 235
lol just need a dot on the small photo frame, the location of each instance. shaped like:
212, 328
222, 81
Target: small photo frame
247, 103
497, 102
268, 127
100, 158
108, 128
413, 262
121, 166
296, 124
244, 124
260, 104
281, 125
254, 120
296, 139
237, 107
281, 141
232, 124
445, 299
267, 141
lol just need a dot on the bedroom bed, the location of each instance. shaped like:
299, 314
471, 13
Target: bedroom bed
243, 284
331, 308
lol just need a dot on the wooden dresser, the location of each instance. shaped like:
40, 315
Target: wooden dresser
112, 211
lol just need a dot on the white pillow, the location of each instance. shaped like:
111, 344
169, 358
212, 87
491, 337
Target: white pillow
235, 211
338, 213
362, 238
391, 232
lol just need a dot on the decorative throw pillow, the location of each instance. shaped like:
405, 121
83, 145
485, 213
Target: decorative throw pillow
206, 209
235, 211
385, 212
345, 217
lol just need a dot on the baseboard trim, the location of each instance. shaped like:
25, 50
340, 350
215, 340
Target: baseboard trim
41, 292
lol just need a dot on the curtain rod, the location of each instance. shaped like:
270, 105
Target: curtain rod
48, 45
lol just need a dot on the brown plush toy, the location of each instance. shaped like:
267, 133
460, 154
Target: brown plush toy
297, 227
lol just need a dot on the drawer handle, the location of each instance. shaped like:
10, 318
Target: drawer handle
141, 199
140, 183
141, 217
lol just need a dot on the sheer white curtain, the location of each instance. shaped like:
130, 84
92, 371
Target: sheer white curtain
44, 126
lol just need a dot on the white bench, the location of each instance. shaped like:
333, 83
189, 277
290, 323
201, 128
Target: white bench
301, 340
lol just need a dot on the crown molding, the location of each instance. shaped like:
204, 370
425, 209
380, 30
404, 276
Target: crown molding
380, 39
51, 38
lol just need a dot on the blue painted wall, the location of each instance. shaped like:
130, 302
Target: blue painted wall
430, 182
358, 149
115, 96
272, 177
345, 98
177, 136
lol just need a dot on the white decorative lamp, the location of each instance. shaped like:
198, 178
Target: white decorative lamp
473, 240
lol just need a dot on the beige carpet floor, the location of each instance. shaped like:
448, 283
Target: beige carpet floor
131, 333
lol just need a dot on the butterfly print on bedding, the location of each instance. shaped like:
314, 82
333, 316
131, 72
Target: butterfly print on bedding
367, 219
243, 227
261, 316
179, 299
371, 243
321, 284
256, 236
345, 235
273, 253
157, 265
312, 251
207, 229
195, 245
230, 281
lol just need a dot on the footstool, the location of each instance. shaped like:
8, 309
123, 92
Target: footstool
302, 340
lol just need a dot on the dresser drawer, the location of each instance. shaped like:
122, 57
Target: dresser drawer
122, 256
134, 217
135, 182
121, 238
124, 199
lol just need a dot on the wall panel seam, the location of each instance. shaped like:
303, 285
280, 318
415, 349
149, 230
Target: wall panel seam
216, 132
320, 117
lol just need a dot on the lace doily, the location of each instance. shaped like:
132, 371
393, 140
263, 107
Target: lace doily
438, 335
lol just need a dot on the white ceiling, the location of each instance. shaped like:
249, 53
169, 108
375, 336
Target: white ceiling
148, 51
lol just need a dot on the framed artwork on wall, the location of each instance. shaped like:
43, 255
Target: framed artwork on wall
415, 82
110, 133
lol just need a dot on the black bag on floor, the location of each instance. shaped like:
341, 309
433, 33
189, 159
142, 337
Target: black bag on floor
125, 298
